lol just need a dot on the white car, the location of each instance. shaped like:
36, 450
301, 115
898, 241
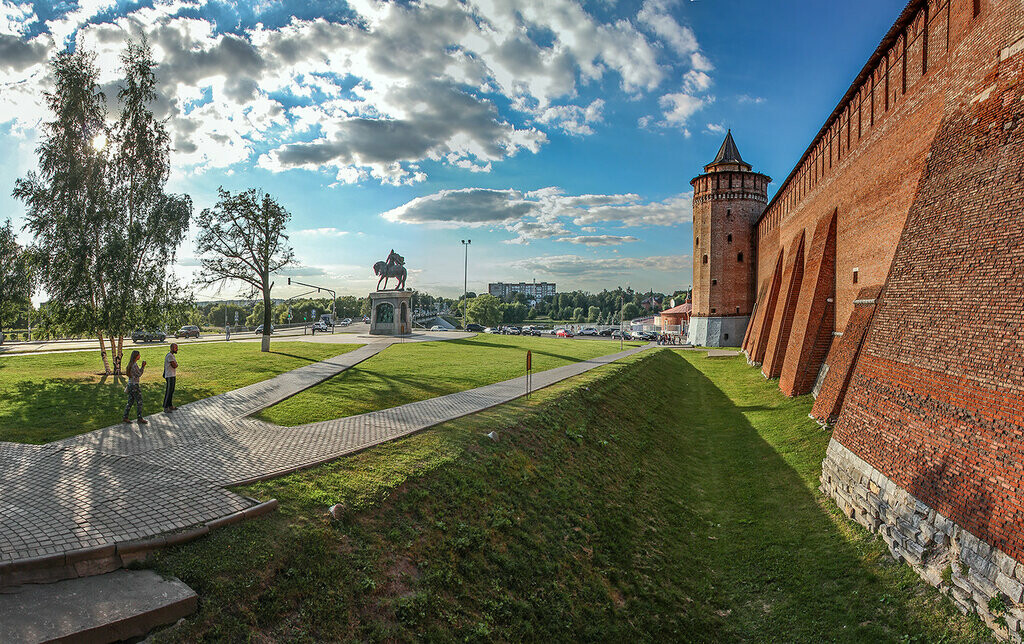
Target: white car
589, 331
437, 327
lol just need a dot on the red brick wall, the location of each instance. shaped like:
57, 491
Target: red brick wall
865, 167
843, 356
936, 401
815, 310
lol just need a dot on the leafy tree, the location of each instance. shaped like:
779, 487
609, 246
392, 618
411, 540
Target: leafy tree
514, 313
15, 276
577, 314
366, 308
593, 314
630, 310
105, 230
242, 239
485, 310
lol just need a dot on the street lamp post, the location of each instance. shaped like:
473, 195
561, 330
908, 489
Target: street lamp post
465, 283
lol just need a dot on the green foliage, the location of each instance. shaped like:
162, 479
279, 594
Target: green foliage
15, 279
577, 314
593, 314
631, 311
514, 313
242, 239
485, 310
105, 230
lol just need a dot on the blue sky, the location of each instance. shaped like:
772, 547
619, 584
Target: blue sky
560, 136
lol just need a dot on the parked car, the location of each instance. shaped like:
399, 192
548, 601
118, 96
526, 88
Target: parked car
143, 335
563, 333
345, 322
320, 325
588, 331
437, 327
625, 335
512, 330
605, 332
259, 329
187, 331
491, 329
475, 328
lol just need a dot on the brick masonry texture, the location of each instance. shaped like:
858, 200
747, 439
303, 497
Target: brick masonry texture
87, 494
920, 166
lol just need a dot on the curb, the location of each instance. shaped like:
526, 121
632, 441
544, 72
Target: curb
97, 560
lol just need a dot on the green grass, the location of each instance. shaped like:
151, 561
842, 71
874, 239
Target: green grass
414, 371
52, 396
670, 498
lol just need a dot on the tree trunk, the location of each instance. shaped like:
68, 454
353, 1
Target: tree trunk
103, 353
267, 313
117, 352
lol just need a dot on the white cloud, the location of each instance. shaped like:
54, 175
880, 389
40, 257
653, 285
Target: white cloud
466, 84
678, 108
321, 232
747, 98
599, 240
577, 266
15, 18
542, 214
715, 128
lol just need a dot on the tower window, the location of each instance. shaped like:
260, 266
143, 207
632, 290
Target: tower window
705, 261
977, 7
714, 282
737, 310
696, 242
729, 238
856, 272
739, 257
726, 336
712, 310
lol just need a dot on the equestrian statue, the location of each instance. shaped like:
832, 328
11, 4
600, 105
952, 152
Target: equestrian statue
393, 266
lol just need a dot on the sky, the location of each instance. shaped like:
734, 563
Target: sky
559, 136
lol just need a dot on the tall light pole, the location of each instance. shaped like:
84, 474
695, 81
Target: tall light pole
465, 283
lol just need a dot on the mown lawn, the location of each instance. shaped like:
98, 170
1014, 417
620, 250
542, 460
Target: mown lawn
669, 498
51, 396
405, 373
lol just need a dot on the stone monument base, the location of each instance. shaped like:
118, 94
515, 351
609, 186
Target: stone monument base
391, 313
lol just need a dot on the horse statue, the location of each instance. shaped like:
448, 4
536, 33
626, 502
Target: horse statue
393, 266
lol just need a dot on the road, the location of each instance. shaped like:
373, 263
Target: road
20, 348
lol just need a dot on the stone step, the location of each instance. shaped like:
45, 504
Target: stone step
116, 606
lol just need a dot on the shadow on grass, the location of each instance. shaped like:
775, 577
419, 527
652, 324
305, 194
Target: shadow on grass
782, 567
39, 412
519, 349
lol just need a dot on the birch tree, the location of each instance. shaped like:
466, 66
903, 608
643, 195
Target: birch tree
105, 230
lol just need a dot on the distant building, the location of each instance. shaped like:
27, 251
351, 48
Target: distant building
533, 290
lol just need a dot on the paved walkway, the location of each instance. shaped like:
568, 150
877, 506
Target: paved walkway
122, 483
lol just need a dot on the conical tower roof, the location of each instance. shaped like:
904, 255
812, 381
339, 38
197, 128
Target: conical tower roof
728, 154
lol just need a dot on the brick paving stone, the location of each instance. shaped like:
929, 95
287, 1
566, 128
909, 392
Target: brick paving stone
123, 482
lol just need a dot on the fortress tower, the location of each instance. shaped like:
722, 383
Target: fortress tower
727, 199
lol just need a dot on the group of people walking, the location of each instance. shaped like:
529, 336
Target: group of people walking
134, 388
668, 338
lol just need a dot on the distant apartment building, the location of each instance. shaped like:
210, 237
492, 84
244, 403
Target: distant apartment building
532, 290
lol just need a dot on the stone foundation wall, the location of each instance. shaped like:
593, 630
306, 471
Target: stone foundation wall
977, 577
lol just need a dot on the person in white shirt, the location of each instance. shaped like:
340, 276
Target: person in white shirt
170, 372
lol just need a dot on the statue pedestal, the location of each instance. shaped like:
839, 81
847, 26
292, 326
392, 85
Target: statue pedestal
391, 313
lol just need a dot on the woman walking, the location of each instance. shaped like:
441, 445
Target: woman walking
134, 390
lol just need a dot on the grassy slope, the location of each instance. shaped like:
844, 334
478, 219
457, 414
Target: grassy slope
672, 498
47, 397
414, 371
